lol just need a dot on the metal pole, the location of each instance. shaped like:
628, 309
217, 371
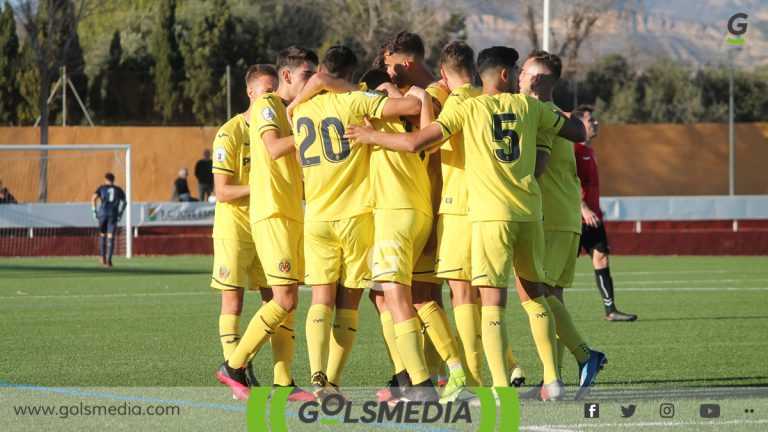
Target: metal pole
64, 96
545, 38
731, 176
229, 96
128, 203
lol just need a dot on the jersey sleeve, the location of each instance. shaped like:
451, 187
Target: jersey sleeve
224, 153
549, 122
451, 120
366, 103
544, 142
264, 115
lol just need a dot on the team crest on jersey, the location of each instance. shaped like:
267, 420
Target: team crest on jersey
221, 154
268, 113
284, 266
223, 272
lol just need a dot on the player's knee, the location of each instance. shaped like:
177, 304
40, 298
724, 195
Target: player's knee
287, 301
600, 260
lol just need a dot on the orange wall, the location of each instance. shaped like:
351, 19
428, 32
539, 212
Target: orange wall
658, 159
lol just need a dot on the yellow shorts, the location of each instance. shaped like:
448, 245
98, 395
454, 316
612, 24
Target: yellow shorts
560, 251
233, 261
424, 268
338, 251
399, 237
454, 247
280, 245
497, 246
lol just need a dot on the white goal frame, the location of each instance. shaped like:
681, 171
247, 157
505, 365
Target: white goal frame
128, 192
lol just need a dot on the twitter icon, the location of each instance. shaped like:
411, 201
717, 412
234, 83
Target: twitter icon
629, 411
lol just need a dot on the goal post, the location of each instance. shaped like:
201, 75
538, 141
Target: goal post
71, 173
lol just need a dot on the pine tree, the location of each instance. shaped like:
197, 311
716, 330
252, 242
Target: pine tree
208, 53
168, 71
10, 96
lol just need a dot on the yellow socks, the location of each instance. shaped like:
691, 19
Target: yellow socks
439, 332
408, 338
543, 330
467, 318
342, 340
318, 336
261, 328
282, 349
566, 330
229, 333
494, 332
432, 357
388, 329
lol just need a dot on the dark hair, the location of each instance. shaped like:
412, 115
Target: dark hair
339, 61
110, 177
551, 61
405, 43
458, 57
259, 70
373, 78
581, 110
378, 62
294, 56
496, 57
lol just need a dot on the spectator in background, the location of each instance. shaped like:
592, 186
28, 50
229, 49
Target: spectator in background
181, 188
5, 195
594, 240
204, 175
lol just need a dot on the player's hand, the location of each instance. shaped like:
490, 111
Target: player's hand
360, 134
95, 215
117, 219
289, 111
418, 93
590, 218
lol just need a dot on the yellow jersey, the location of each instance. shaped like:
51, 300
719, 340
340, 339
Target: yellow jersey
560, 185
500, 153
398, 179
336, 175
232, 157
276, 186
454, 195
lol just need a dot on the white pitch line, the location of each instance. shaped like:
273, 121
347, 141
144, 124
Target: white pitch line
669, 424
719, 271
25, 296
22, 296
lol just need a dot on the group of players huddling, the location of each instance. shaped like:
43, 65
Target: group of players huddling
406, 180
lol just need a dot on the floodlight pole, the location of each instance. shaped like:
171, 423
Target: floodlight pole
545, 36
731, 152
64, 96
229, 97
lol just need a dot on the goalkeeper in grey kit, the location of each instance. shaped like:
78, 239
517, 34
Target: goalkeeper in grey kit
108, 214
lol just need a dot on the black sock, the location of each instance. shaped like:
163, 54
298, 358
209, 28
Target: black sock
110, 249
605, 286
103, 247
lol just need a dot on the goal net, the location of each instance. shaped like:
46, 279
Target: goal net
52, 188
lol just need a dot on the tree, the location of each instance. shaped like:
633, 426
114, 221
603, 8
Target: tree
10, 57
209, 51
51, 28
168, 71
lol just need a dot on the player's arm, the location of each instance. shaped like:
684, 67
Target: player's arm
573, 129
427, 114
405, 142
397, 107
542, 159
277, 147
226, 191
94, 198
318, 83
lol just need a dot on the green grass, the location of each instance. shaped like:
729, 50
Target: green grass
152, 322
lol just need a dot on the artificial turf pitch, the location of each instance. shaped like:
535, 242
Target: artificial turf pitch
152, 322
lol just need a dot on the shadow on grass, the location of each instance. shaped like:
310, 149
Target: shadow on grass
101, 270
706, 318
723, 382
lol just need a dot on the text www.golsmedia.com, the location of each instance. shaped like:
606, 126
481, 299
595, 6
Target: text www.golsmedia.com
83, 410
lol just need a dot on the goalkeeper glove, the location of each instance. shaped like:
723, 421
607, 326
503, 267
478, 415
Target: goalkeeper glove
119, 216
95, 215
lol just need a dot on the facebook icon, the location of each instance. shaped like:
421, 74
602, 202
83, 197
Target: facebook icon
591, 410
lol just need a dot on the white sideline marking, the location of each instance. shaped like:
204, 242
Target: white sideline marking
674, 272
646, 424
22, 295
